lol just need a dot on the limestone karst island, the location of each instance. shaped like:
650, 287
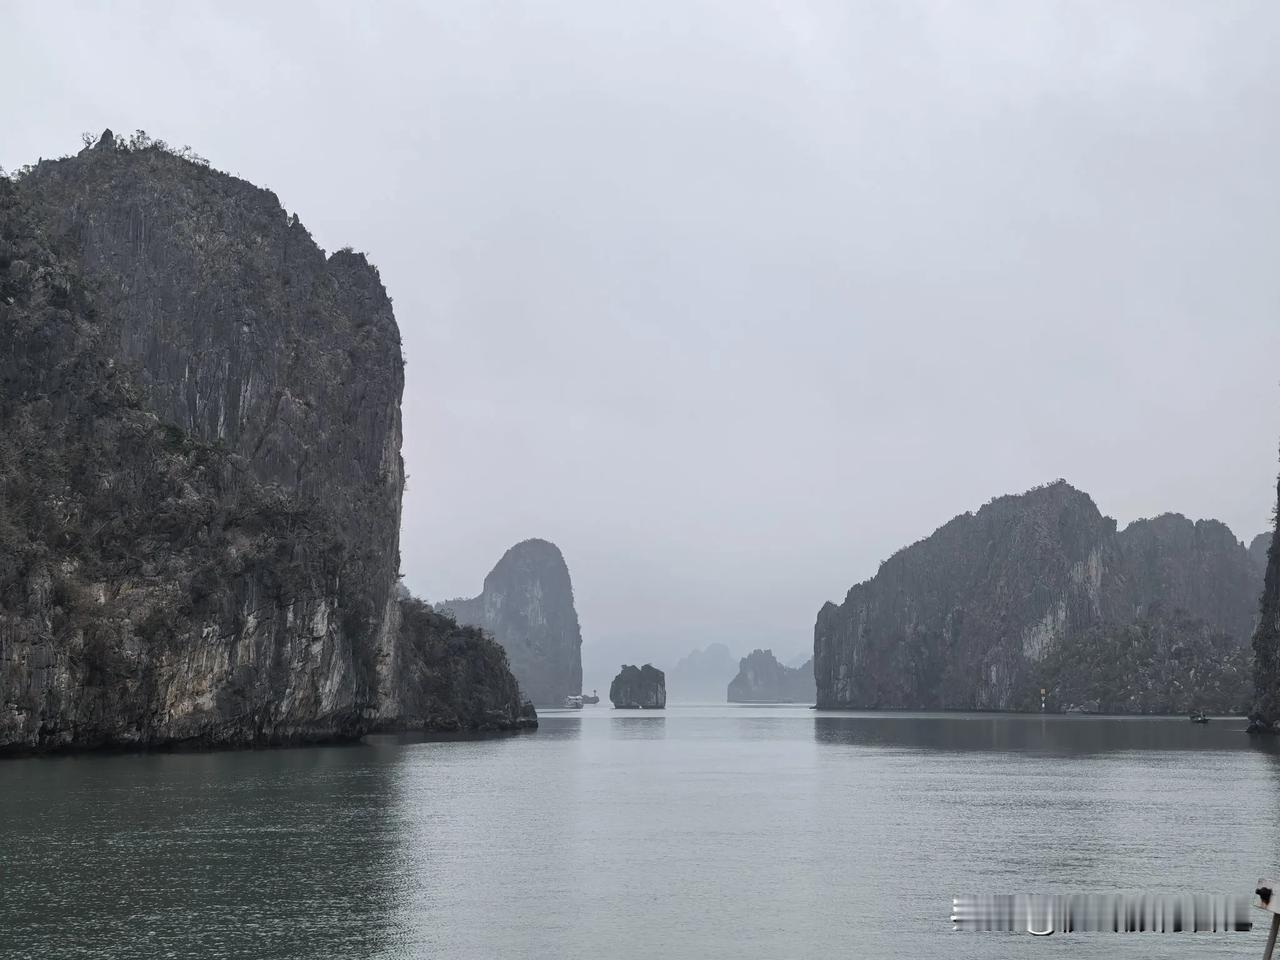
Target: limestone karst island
652, 481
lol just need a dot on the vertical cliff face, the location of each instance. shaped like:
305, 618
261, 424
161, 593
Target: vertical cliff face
200, 463
762, 679
1266, 641
966, 618
1198, 567
1260, 548
953, 621
527, 606
242, 333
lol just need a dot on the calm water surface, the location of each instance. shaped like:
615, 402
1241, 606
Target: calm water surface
698, 832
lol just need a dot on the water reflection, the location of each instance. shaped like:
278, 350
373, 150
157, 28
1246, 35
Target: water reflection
1022, 733
638, 726
197, 855
699, 832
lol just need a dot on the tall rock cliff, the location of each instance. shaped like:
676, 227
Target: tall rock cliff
968, 618
1266, 641
527, 606
1200, 568
1260, 548
762, 679
200, 466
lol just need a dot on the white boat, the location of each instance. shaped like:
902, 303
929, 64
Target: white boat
573, 703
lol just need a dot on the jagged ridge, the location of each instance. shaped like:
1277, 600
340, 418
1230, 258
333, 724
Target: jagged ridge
762, 679
966, 618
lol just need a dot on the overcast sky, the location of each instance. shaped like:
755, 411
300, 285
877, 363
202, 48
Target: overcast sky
732, 300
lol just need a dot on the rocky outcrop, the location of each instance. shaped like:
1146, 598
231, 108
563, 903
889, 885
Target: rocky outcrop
1165, 662
1200, 568
762, 679
527, 606
702, 675
639, 688
966, 618
1266, 643
455, 677
200, 472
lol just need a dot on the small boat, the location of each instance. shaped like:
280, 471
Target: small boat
573, 703
594, 698
1198, 717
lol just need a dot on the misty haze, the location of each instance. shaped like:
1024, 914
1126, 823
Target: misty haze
665, 480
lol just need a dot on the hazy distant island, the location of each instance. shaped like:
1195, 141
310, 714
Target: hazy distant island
1041, 591
762, 679
200, 475
527, 606
639, 688
702, 675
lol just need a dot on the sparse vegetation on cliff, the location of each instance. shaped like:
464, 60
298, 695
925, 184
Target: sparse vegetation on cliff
1266, 640
199, 472
460, 676
1039, 590
1167, 662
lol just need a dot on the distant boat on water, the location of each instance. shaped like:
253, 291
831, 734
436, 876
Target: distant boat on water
573, 702
1198, 717
594, 698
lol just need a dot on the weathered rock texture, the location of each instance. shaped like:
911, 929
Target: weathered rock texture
1164, 662
1260, 548
1266, 642
527, 606
762, 679
639, 688
977, 615
200, 472
454, 677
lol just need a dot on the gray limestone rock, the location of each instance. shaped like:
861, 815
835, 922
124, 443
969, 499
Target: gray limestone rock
639, 688
762, 679
200, 472
527, 606
966, 618
1266, 644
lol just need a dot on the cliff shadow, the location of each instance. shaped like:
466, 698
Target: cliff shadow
1021, 733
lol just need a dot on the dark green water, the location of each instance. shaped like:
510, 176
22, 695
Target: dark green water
701, 832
